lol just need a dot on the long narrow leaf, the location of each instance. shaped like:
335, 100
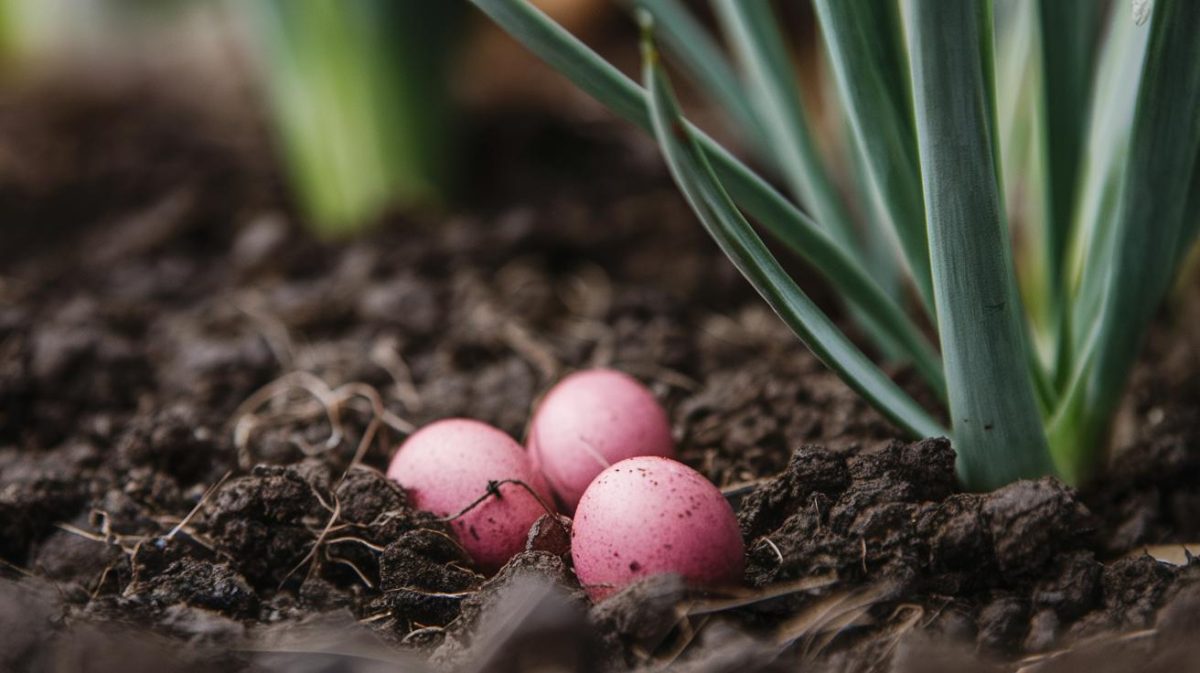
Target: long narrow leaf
985, 19
997, 427
881, 248
703, 62
866, 45
1018, 74
754, 33
360, 110
757, 198
737, 239
1069, 29
1162, 154
1114, 95
1068, 32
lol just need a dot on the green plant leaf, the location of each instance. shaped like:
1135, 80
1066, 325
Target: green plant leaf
737, 239
1114, 95
997, 426
881, 249
1069, 31
754, 195
1018, 75
705, 64
866, 45
753, 31
1039, 377
1163, 146
702, 61
361, 111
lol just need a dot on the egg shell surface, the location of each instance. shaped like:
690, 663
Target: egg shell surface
591, 420
447, 465
651, 515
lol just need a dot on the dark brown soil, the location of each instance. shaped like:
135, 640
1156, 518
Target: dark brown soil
196, 399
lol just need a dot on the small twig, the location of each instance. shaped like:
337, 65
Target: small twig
386, 517
829, 612
1032, 663
433, 594
109, 539
640, 652
296, 380
753, 597
87, 535
272, 330
744, 487
774, 548
16, 568
347, 562
203, 499
105, 525
587, 293
493, 489
312, 553
906, 625
365, 543
604, 351
668, 376
385, 353
346, 391
364, 444
685, 638
376, 617
452, 540
108, 568
421, 631
524, 344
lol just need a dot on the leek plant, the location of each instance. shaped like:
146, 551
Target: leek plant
358, 96
1116, 124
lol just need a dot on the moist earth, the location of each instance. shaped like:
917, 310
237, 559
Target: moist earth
197, 399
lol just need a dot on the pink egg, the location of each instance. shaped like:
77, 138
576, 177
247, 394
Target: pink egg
650, 515
590, 420
447, 465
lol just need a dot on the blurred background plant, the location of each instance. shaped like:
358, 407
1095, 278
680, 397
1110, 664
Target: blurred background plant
359, 99
35, 33
359, 95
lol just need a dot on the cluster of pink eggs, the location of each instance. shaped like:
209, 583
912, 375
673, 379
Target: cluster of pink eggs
599, 447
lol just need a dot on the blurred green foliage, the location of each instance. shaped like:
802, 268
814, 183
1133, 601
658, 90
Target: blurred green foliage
357, 89
359, 98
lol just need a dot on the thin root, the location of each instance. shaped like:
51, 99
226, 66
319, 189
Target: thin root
203, 499
493, 489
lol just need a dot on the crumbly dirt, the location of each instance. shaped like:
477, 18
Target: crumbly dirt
197, 400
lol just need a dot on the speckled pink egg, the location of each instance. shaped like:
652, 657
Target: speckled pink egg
447, 465
650, 515
590, 420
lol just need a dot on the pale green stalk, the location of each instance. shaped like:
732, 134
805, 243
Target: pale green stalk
1150, 230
